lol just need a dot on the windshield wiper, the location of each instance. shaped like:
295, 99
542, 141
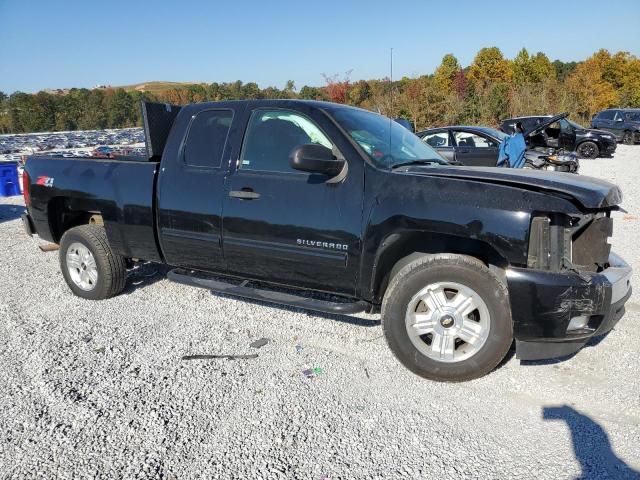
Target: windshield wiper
416, 162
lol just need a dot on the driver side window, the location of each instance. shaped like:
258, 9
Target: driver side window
272, 135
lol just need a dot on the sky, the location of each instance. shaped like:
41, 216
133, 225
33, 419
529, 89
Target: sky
64, 44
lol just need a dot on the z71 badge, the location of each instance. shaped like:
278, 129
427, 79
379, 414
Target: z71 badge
45, 181
319, 244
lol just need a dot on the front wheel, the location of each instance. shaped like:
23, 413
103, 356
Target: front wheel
588, 150
446, 317
88, 264
627, 138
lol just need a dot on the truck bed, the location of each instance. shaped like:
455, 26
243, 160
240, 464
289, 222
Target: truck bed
123, 191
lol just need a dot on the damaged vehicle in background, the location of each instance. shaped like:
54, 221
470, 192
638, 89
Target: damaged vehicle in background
564, 135
476, 146
350, 212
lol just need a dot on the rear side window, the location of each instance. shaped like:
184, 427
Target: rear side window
437, 140
606, 115
207, 138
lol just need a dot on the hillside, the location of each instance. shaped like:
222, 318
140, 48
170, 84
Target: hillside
156, 87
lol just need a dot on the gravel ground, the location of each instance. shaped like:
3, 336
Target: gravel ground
100, 390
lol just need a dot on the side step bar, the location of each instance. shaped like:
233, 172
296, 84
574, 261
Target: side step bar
197, 279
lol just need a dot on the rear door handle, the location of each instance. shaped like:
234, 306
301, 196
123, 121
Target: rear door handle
244, 194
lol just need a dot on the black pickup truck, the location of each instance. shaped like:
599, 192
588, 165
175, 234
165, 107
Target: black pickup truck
350, 212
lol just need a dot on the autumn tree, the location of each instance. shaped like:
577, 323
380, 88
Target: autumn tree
336, 88
413, 100
489, 66
446, 92
589, 91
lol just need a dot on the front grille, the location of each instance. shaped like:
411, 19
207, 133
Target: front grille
590, 249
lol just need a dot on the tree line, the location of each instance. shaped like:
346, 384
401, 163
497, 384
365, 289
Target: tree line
491, 88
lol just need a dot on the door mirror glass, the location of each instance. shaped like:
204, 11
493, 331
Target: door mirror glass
314, 158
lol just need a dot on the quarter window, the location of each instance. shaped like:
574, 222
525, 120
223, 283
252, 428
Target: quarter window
207, 138
272, 135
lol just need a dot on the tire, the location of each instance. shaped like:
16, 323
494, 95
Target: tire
627, 138
588, 150
88, 264
492, 326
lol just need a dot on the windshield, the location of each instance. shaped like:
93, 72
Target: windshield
574, 124
633, 116
387, 143
494, 133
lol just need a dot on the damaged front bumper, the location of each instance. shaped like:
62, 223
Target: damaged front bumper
556, 313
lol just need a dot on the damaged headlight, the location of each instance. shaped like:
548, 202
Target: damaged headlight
549, 243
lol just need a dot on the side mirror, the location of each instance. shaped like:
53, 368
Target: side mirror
618, 119
315, 158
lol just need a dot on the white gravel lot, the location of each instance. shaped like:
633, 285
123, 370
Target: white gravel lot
99, 390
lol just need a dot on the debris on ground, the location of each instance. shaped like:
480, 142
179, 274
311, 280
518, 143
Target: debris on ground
261, 342
227, 357
299, 348
312, 372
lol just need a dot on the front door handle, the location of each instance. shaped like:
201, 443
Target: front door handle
244, 194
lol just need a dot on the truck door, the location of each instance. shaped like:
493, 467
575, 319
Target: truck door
191, 189
287, 226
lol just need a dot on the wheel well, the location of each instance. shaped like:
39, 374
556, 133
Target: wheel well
406, 247
592, 140
62, 218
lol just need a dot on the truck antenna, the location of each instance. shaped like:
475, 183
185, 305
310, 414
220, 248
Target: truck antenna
390, 95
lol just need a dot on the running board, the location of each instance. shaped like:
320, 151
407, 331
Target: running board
197, 279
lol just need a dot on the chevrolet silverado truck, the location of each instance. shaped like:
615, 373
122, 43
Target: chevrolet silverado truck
337, 209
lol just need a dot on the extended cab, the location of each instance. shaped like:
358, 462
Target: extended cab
350, 212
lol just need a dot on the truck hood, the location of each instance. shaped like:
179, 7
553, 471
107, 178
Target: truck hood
588, 191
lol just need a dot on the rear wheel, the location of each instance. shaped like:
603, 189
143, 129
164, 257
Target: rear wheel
627, 138
447, 317
88, 264
588, 150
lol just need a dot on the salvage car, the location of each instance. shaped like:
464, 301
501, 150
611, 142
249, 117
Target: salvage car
564, 134
480, 146
624, 123
349, 212
470, 145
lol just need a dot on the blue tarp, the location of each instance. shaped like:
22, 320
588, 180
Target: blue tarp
511, 152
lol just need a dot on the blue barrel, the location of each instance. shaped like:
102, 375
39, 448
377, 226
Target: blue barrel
9, 183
